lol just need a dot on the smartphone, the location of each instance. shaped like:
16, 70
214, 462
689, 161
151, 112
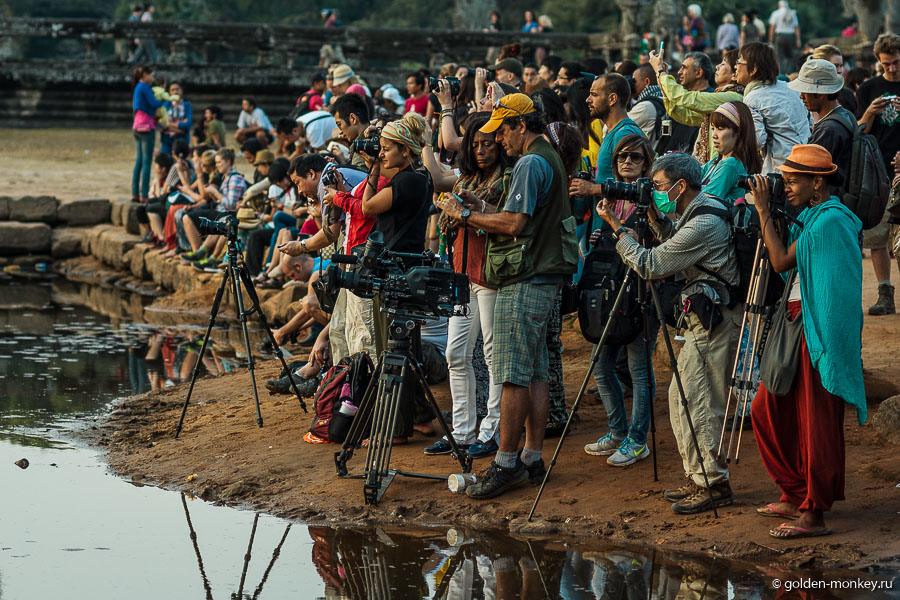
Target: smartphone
661, 44
458, 198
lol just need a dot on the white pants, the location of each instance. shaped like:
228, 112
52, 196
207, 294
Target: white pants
461, 337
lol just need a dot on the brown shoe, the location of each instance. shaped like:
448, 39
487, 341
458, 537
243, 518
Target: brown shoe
700, 501
688, 489
885, 303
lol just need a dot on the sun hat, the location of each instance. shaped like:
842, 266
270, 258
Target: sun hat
247, 218
508, 64
809, 159
342, 74
264, 157
817, 76
513, 105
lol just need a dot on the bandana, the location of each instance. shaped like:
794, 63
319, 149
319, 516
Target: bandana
647, 92
398, 131
553, 130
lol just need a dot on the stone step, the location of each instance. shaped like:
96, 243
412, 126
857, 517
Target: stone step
17, 237
84, 211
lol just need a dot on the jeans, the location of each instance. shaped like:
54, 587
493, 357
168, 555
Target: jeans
143, 163
280, 220
643, 386
461, 337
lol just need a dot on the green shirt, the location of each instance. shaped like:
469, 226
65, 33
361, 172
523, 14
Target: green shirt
690, 108
719, 178
214, 127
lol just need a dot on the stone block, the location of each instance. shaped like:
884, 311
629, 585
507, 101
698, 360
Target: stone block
136, 262
18, 238
33, 208
66, 242
118, 208
886, 420
84, 211
4, 207
111, 246
129, 218
284, 304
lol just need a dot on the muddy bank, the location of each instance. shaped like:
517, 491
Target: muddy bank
223, 456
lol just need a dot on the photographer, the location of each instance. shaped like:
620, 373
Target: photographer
626, 443
482, 162
531, 251
801, 435
695, 241
351, 114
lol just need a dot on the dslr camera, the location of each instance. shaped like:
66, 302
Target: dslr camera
640, 192
330, 178
775, 183
226, 225
434, 84
370, 146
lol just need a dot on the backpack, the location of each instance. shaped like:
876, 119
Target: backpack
660, 107
680, 139
869, 186
345, 381
302, 106
600, 283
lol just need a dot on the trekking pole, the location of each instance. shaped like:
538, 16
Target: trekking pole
595, 357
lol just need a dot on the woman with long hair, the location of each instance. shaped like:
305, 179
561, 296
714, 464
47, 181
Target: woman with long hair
734, 138
800, 435
626, 441
144, 104
482, 163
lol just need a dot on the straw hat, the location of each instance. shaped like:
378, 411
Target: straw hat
342, 74
247, 218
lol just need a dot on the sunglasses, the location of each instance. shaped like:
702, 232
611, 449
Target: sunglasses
636, 157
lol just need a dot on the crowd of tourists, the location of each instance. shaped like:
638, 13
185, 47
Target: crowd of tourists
505, 168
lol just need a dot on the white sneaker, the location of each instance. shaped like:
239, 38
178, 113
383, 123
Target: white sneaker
604, 446
628, 454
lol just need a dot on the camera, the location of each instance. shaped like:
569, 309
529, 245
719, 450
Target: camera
330, 178
226, 225
640, 192
417, 285
488, 75
776, 188
370, 145
586, 175
434, 84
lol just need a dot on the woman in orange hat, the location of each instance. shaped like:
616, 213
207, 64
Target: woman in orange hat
800, 435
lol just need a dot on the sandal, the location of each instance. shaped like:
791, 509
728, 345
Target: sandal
789, 531
769, 510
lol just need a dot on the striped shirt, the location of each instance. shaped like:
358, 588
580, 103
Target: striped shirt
232, 190
704, 240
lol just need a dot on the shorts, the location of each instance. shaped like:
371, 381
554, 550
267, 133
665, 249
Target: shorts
877, 237
520, 333
894, 241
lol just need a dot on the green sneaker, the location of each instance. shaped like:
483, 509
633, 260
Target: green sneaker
604, 446
195, 256
628, 453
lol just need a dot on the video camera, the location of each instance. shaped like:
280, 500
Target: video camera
420, 285
226, 225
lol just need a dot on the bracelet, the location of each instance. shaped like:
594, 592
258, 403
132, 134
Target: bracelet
369, 182
618, 232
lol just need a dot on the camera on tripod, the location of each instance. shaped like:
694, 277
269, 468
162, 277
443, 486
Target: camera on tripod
226, 225
420, 285
370, 145
640, 192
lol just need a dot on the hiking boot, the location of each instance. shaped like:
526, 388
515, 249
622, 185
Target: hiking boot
628, 453
498, 480
700, 500
483, 449
536, 472
307, 386
885, 304
554, 429
604, 446
688, 489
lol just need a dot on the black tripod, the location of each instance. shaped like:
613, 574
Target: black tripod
236, 272
380, 407
642, 228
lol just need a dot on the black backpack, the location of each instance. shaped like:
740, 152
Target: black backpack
680, 139
302, 106
600, 283
868, 186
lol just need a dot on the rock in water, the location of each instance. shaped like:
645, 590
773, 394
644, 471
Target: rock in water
22, 463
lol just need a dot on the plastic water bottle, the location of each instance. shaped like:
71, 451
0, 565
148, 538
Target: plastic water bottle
458, 482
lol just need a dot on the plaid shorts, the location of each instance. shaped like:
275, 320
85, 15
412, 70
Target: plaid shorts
520, 332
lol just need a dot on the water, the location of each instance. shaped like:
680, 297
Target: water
69, 529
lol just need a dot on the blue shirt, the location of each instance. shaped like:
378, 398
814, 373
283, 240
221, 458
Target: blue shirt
719, 178
529, 186
144, 99
610, 141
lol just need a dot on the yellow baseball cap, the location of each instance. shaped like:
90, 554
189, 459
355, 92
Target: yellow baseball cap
513, 105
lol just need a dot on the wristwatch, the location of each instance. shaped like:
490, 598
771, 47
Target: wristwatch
618, 232
303, 246
466, 213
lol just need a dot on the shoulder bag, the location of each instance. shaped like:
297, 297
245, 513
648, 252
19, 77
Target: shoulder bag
778, 365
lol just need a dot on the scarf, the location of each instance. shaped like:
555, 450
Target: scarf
647, 92
490, 190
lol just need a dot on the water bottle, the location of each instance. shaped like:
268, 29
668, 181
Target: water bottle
458, 482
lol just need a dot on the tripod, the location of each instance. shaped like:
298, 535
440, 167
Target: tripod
641, 228
236, 272
380, 407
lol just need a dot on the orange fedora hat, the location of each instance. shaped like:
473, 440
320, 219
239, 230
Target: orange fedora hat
811, 159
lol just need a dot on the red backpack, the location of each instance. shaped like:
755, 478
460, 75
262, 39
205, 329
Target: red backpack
352, 371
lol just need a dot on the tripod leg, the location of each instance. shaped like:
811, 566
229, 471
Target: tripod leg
674, 365
595, 356
239, 307
212, 321
465, 461
240, 592
254, 300
358, 426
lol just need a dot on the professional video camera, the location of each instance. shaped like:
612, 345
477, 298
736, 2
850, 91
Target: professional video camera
226, 225
413, 284
370, 145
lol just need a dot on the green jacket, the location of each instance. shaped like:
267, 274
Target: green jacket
547, 244
691, 107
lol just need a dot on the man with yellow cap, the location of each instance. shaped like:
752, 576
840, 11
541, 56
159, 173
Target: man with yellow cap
531, 251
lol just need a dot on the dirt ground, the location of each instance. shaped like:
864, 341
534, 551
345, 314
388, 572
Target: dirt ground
223, 456
48, 162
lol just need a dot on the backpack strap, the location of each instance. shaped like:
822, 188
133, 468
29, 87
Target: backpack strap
838, 118
724, 214
660, 107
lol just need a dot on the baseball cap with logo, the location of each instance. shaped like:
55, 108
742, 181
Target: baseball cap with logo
513, 105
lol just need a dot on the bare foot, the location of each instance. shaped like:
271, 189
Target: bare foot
782, 510
426, 429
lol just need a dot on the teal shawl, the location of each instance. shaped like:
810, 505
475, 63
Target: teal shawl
829, 263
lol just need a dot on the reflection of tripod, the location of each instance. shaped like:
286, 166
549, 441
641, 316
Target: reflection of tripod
237, 273
380, 408
642, 233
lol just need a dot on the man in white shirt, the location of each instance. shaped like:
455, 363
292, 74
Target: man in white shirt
253, 122
784, 34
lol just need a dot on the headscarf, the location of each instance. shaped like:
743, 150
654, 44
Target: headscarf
399, 131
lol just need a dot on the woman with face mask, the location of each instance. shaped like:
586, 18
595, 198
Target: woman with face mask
734, 139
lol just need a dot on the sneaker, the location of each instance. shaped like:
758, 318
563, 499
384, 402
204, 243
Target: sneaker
498, 480
194, 256
483, 449
628, 453
604, 446
442, 446
701, 502
688, 489
536, 472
